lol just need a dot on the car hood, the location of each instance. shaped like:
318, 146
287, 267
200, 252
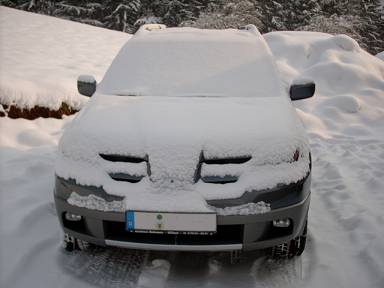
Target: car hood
173, 133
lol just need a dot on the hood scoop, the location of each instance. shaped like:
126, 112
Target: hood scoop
126, 168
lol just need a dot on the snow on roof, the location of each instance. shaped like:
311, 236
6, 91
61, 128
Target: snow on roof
191, 61
193, 34
150, 27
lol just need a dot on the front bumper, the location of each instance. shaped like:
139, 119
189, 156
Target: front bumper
234, 232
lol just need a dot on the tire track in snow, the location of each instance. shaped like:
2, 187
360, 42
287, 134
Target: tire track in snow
347, 186
154, 274
106, 267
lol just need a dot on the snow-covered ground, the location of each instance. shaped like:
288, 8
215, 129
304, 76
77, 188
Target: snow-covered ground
41, 58
345, 122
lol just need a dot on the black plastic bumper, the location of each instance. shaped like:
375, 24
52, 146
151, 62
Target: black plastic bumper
234, 232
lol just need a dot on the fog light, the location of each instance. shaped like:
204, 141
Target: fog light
72, 217
281, 223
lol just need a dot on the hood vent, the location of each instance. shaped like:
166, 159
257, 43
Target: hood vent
214, 161
121, 164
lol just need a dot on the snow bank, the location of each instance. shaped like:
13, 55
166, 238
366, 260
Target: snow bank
349, 81
41, 58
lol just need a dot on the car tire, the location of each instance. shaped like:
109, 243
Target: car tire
71, 244
290, 249
82, 245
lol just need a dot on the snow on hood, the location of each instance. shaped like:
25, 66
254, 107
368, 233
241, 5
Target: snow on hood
173, 132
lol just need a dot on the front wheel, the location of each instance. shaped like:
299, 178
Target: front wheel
290, 249
71, 243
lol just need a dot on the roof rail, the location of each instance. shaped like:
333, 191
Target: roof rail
251, 28
150, 27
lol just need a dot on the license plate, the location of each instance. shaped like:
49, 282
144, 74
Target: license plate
167, 222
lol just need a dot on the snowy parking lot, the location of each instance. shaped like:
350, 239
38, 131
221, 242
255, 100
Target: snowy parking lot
344, 120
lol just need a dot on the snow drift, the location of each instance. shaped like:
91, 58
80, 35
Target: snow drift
349, 82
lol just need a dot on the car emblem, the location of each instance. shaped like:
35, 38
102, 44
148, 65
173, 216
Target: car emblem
159, 220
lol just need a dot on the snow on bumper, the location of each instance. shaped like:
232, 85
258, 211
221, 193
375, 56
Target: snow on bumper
181, 196
97, 203
250, 203
94, 202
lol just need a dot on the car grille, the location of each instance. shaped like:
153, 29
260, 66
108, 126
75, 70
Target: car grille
124, 176
219, 179
212, 179
226, 234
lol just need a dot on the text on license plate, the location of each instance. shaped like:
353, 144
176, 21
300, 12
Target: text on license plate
170, 222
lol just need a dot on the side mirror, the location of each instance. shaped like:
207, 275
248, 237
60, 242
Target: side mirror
86, 85
302, 90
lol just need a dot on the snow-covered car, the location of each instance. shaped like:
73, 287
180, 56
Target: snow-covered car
190, 143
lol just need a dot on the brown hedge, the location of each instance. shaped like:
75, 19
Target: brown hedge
15, 112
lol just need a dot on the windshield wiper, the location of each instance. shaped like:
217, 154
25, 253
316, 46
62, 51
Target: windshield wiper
197, 95
132, 94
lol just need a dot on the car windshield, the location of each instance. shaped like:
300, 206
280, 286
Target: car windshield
192, 63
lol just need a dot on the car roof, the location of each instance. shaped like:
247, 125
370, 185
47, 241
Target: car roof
184, 61
158, 32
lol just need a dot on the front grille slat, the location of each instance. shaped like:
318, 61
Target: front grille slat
220, 180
